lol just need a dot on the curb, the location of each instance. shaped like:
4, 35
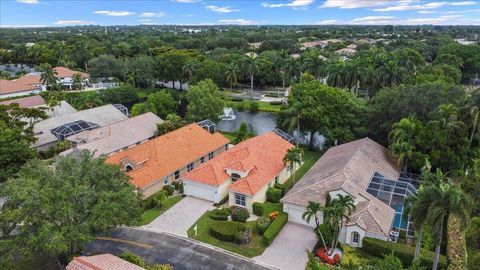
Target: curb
204, 245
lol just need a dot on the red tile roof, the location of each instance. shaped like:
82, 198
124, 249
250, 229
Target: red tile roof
261, 157
101, 262
26, 102
30, 79
63, 72
9, 87
166, 154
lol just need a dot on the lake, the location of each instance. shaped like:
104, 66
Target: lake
259, 122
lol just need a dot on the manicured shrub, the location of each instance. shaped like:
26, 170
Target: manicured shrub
274, 195
258, 208
282, 187
133, 258
274, 229
239, 214
254, 106
219, 214
170, 189
226, 230
177, 185
223, 201
262, 224
405, 253
159, 199
149, 202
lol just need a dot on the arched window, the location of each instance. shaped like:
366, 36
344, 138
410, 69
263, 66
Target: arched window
235, 177
128, 167
355, 237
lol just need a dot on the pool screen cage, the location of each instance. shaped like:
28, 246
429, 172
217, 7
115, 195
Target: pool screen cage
393, 193
121, 108
208, 125
69, 129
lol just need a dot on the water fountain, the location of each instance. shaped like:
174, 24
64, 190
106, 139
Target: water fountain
227, 114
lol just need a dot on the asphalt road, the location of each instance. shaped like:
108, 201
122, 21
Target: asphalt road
181, 253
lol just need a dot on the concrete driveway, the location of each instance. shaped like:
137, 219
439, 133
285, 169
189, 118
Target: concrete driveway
180, 217
288, 250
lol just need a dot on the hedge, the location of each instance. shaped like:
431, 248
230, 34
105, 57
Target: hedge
219, 214
282, 187
274, 195
275, 228
262, 224
258, 208
226, 230
170, 189
220, 203
405, 253
239, 214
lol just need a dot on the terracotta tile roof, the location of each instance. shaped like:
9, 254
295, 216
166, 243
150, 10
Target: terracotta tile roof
63, 72
101, 262
164, 155
350, 167
261, 157
26, 102
30, 79
9, 87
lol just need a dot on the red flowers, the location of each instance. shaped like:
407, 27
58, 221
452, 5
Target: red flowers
322, 254
273, 215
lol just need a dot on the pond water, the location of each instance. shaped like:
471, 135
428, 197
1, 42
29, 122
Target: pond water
259, 122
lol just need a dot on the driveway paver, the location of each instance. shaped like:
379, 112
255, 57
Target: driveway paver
288, 250
180, 217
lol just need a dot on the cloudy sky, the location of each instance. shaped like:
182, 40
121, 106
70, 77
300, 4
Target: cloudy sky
18, 13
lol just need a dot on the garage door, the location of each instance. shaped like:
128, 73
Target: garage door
199, 191
295, 215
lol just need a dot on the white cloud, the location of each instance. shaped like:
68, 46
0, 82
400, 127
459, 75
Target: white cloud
221, 9
31, 2
294, 4
374, 20
115, 13
328, 22
440, 20
145, 20
348, 4
426, 12
238, 21
189, 15
152, 14
407, 5
73, 22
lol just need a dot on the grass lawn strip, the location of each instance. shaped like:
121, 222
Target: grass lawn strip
151, 214
254, 248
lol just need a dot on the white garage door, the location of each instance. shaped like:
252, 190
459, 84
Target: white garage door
295, 214
199, 191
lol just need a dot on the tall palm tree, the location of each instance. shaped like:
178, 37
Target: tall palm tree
77, 82
232, 74
417, 214
312, 210
189, 69
402, 139
292, 157
337, 213
336, 74
252, 65
474, 115
315, 64
293, 70
48, 76
443, 200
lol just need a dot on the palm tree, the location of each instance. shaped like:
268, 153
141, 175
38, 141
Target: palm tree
417, 214
53, 102
291, 119
442, 200
189, 69
474, 118
48, 76
337, 213
402, 139
315, 64
292, 157
232, 74
336, 74
252, 66
293, 70
312, 210
77, 82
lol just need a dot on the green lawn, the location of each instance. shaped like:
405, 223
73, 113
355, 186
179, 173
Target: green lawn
309, 158
263, 106
149, 215
255, 248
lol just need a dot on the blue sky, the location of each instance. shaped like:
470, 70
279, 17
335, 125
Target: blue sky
22, 13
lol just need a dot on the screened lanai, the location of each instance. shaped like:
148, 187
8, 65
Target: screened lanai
65, 130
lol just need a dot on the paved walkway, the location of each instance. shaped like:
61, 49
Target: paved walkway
180, 217
181, 253
289, 249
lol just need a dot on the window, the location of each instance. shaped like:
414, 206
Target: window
177, 175
190, 167
355, 237
235, 177
276, 179
165, 180
239, 199
210, 155
202, 159
128, 167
